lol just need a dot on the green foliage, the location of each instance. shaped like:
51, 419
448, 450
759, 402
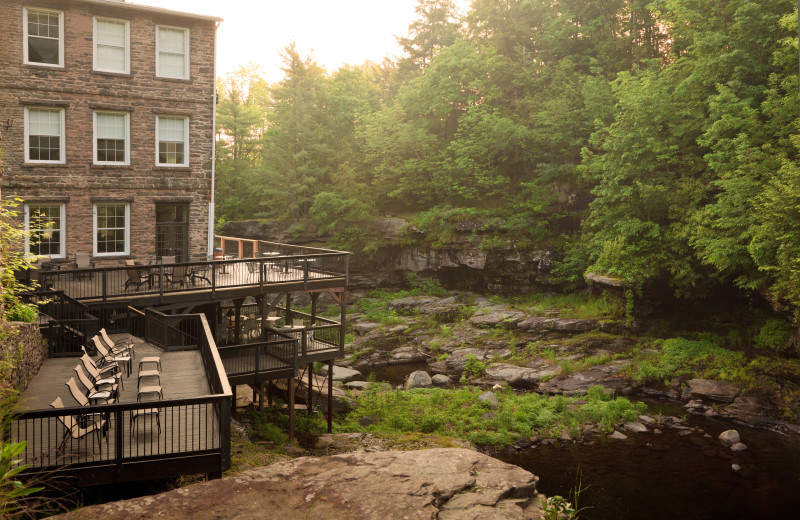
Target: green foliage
459, 413
12, 259
473, 367
573, 305
681, 357
773, 335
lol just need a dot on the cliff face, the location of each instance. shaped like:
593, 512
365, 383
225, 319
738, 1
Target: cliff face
465, 262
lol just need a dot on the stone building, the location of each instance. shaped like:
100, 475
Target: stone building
107, 117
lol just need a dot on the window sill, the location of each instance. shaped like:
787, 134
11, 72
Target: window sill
111, 73
44, 165
163, 168
44, 66
111, 167
176, 80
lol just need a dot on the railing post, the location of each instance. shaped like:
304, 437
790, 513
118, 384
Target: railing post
305, 274
225, 434
214, 278
50, 338
161, 283
346, 270
118, 430
105, 285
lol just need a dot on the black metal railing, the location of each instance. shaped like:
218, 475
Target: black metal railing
172, 331
65, 323
163, 279
258, 359
142, 440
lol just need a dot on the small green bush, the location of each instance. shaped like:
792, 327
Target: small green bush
473, 367
773, 335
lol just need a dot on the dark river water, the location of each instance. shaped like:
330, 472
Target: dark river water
666, 477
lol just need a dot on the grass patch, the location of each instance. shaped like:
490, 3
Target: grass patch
573, 305
459, 414
677, 357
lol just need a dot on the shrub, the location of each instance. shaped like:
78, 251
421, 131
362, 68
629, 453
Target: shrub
473, 367
773, 335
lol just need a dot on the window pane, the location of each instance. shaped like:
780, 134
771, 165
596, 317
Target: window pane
44, 121
111, 58
42, 50
170, 129
171, 65
111, 33
111, 229
171, 40
111, 126
43, 148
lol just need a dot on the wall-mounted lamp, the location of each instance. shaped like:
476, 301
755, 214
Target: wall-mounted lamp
8, 124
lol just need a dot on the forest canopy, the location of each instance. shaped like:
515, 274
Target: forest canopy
648, 140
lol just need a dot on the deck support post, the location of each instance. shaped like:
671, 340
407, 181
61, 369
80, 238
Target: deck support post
310, 403
237, 326
290, 382
330, 396
261, 390
314, 298
233, 398
289, 320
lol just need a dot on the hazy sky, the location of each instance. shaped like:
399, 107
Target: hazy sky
337, 31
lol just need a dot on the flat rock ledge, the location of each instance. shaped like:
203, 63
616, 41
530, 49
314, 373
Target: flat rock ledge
444, 484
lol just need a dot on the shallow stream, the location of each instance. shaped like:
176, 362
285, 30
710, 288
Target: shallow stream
665, 477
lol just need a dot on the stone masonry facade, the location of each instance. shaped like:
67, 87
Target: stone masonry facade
79, 91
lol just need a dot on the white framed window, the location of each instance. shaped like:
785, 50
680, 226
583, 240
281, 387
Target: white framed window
111, 138
43, 37
46, 225
172, 52
112, 230
172, 141
44, 135
111, 45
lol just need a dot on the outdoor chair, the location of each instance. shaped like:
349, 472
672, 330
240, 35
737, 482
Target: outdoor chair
178, 276
107, 356
199, 272
137, 278
252, 267
124, 346
111, 388
74, 428
168, 259
82, 398
83, 261
101, 376
146, 412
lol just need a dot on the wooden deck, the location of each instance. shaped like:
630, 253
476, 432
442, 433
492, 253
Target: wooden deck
229, 280
189, 427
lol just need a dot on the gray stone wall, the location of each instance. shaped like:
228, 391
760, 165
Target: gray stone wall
22, 351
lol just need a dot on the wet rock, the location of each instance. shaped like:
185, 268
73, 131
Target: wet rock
580, 382
357, 385
656, 431
363, 328
494, 319
714, 390
557, 324
490, 399
646, 419
736, 467
418, 379
635, 426
738, 446
729, 437
618, 435
345, 375
565, 436
367, 420
751, 410
410, 304
408, 354
448, 484
516, 376
440, 380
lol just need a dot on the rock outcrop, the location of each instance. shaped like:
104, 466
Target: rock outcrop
447, 484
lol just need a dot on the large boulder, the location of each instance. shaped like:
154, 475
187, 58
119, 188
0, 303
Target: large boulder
518, 377
418, 379
557, 324
488, 319
448, 484
411, 303
714, 390
345, 375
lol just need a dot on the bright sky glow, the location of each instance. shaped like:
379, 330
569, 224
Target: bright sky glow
336, 32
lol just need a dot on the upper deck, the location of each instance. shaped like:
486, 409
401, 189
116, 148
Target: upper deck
258, 268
